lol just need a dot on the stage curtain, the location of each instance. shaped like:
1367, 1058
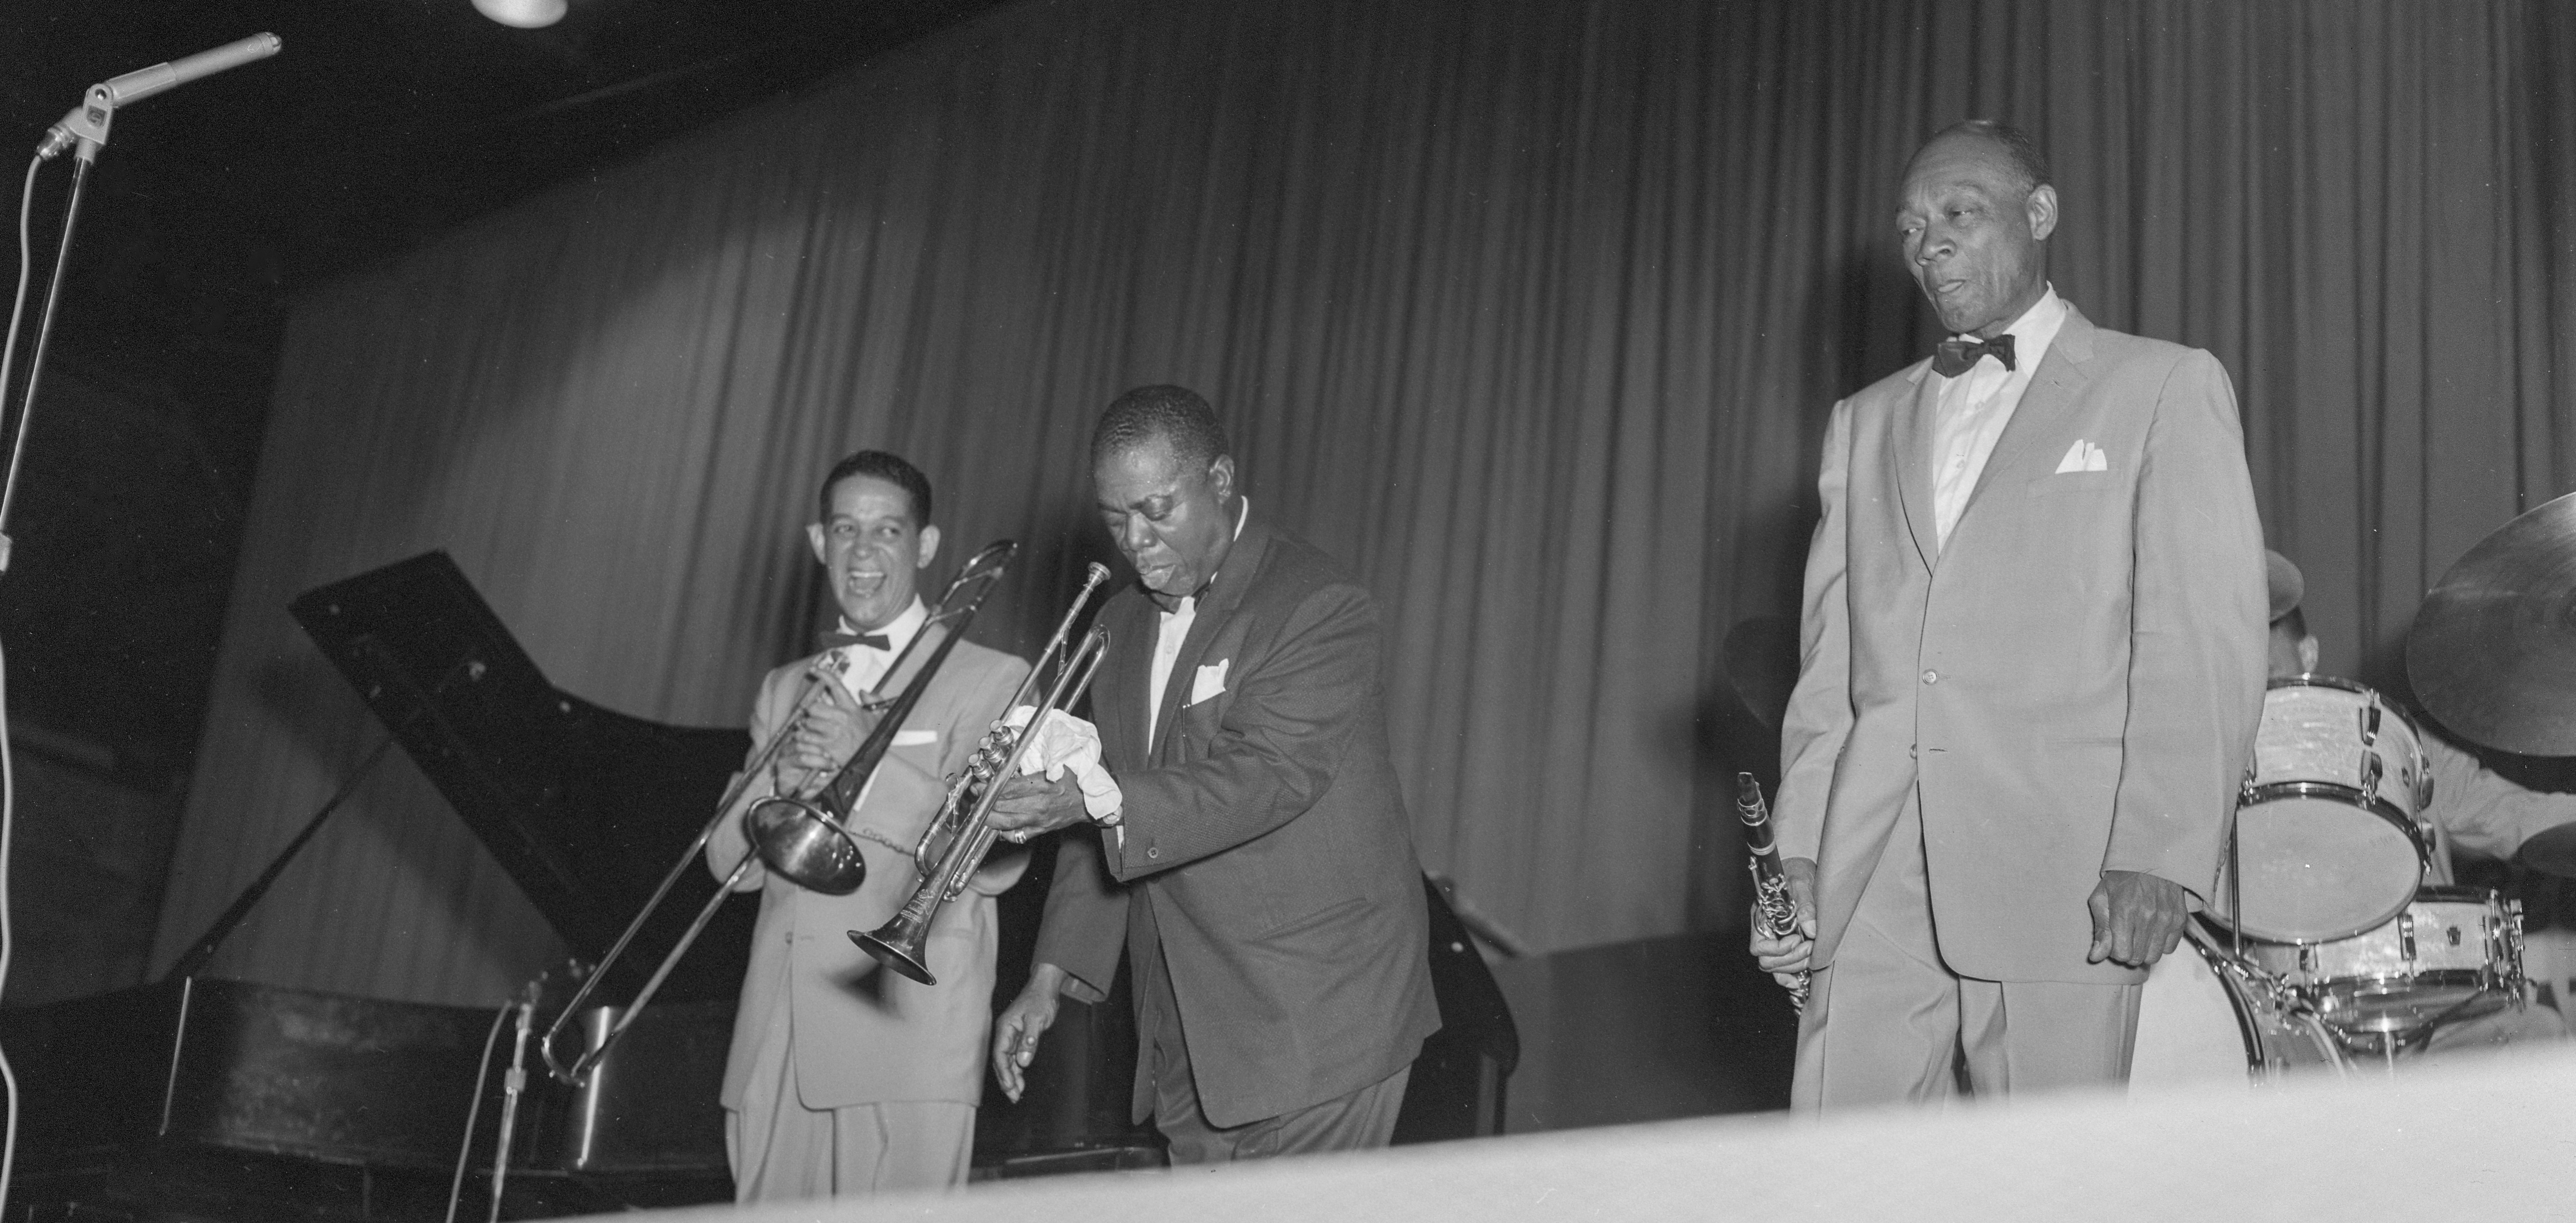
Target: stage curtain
1530, 312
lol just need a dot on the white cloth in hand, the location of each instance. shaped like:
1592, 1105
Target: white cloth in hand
1065, 742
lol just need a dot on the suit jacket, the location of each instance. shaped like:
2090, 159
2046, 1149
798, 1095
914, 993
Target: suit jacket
1264, 826
862, 1035
2070, 687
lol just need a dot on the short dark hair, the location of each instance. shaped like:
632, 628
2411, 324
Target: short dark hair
887, 467
2294, 622
2028, 163
1174, 413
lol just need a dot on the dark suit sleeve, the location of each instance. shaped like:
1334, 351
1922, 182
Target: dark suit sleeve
1282, 738
1085, 927
2196, 636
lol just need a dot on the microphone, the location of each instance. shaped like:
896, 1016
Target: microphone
87, 122
145, 82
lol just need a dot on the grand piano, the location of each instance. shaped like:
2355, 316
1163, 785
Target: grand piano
197, 1097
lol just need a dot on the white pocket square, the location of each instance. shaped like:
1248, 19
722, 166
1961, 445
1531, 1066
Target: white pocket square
915, 738
2083, 456
1210, 681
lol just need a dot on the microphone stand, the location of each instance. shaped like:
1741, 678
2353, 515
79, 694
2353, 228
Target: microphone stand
85, 158
84, 133
513, 1084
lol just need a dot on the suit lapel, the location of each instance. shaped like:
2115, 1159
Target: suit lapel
1224, 595
2061, 376
1911, 454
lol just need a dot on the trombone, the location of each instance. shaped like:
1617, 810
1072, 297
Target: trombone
805, 843
958, 837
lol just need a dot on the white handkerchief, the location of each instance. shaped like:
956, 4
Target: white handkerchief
2084, 456
915, 738
1067, 742
1210, 681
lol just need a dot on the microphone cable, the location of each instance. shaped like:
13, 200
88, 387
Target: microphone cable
8, 755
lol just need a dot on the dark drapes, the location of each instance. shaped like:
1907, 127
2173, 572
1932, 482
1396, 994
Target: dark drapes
1529, 311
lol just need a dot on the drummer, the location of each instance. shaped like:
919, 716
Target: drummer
2473, 810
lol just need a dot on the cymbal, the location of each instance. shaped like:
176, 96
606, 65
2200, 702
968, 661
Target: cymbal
2493, 651
1761, 656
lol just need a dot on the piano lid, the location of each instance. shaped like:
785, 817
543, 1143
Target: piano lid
586, 808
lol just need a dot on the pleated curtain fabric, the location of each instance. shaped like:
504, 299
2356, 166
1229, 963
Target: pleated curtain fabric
1531, 312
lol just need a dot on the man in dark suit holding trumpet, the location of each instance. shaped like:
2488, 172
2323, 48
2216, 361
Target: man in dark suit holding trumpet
1252, 856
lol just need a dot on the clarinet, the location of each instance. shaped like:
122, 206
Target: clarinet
1773, 911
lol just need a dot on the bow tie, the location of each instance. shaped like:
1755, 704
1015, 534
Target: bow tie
834, 639
1953, 357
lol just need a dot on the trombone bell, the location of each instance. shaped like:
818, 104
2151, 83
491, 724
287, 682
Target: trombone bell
806, 847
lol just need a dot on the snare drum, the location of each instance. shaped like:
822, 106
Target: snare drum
2455, 953
2201, 1022
2327, 843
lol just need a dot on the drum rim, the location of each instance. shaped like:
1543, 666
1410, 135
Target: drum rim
2352, 798
2249, 1029
2349, 796
2430, 976
2312, 679
2455, 893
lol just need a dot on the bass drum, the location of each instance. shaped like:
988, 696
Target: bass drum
2199, 1023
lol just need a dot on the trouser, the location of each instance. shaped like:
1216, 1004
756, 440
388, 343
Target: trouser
781, 1150
1887, 1021
1357, 1120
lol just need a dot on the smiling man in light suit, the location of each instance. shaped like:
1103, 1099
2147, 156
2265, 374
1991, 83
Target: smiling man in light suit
2032, 663
845, 1079
1254, 864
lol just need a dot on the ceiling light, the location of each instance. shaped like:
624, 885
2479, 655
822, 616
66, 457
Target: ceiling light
525, 14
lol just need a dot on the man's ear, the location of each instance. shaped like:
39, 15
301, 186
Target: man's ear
1221, 476
929, 546
2041, 208
822, 547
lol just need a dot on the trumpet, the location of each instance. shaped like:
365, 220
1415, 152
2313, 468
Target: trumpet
826, 852
959, 837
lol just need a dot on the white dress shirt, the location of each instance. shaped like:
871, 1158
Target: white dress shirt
867, 664
1172, 630
1971, 410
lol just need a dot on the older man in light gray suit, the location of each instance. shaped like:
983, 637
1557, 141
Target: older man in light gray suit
2032, 663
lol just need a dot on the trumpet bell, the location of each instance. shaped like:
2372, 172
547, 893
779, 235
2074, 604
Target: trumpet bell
900, 944
805, 846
